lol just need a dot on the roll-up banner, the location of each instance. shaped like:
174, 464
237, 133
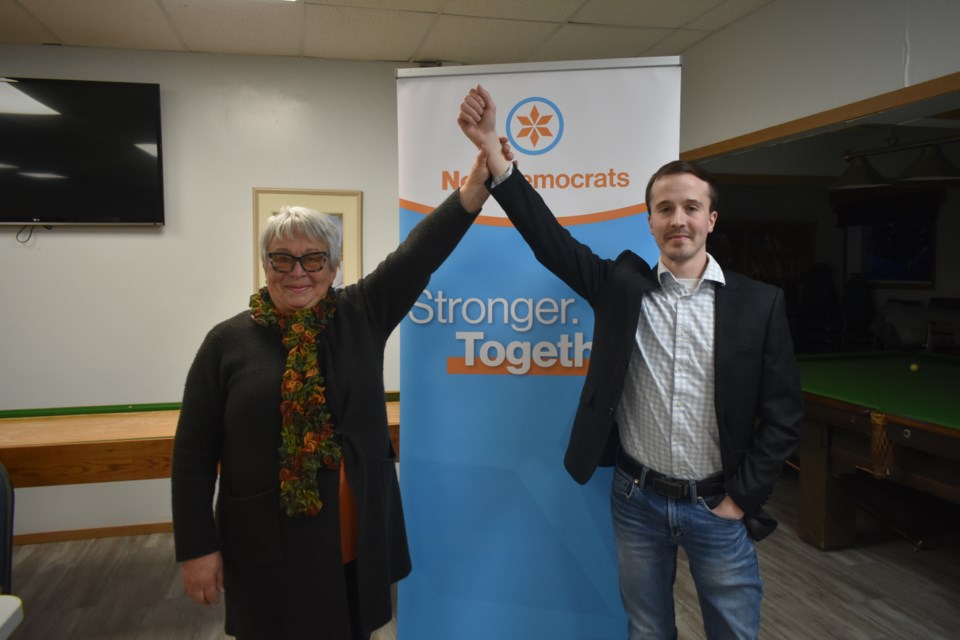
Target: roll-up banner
504, 543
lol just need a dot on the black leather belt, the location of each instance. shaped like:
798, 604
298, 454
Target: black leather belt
675, 488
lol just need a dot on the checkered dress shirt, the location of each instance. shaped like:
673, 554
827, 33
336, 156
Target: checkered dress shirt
666, 416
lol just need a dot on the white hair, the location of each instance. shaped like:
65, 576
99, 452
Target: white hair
300, 222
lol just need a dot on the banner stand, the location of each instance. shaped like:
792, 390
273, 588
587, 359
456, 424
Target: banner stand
504, 543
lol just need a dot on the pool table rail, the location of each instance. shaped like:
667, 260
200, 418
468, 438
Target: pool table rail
843, 438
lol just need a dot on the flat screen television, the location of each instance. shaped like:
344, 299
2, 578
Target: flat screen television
75, 152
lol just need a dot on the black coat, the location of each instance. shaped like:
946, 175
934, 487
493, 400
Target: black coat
284, 576
758, 400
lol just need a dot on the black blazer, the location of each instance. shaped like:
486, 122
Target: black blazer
759, 404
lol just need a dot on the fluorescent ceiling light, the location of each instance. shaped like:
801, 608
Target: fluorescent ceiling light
12, 100
4, 165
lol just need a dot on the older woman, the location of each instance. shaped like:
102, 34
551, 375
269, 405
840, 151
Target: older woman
286, 399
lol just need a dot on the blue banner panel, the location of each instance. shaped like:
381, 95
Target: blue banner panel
505, 544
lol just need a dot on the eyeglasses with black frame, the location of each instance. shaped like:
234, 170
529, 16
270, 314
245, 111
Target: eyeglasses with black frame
311, 262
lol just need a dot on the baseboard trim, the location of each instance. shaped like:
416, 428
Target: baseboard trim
86, 534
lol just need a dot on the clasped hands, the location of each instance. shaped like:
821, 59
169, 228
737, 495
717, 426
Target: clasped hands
478, 121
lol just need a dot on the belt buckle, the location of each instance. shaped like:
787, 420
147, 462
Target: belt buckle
675, 490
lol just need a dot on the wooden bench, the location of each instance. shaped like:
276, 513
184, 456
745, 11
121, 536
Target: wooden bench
103, 447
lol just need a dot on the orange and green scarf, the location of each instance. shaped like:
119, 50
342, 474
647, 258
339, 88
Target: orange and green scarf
308, 437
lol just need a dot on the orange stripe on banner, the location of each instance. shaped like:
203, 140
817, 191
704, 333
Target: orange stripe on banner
415, 206
603, 216
459, 366
491, 221
567, 221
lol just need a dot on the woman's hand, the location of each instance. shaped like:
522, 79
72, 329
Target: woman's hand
474, 191
478, 121
203, 578
478, 117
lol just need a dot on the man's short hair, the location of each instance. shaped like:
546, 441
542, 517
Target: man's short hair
682, 166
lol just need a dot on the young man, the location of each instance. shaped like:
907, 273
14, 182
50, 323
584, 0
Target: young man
693, 393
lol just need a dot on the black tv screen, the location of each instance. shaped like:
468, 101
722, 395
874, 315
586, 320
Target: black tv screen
79, 152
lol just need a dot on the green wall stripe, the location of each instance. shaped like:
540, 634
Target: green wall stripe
73, 411
392, 396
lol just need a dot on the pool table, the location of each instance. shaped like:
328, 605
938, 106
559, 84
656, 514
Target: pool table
893, 415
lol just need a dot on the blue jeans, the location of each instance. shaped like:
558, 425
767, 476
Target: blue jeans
648, 529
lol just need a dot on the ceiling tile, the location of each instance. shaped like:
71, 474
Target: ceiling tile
643, 13
535, 10
427, 6
465, 31
678, 41
360, 34
585, 42
124, 24
229, 26
482, 40
725, 14
18, 27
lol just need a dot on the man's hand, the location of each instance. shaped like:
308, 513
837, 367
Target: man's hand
203, 578
728, 509
474, 191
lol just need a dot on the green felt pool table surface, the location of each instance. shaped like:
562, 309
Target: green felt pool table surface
884, 382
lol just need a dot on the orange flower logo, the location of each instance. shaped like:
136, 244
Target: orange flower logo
534, 126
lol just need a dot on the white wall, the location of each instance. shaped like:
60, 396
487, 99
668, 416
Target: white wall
795, 58
113, 316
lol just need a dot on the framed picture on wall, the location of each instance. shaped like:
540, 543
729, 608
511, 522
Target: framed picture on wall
344, 206
900, 252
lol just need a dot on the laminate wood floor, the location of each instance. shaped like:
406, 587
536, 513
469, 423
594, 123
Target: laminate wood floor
881, 589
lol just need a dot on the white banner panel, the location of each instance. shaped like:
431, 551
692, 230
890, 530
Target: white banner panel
505, 544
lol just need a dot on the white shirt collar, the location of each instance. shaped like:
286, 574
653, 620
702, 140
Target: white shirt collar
713, 272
